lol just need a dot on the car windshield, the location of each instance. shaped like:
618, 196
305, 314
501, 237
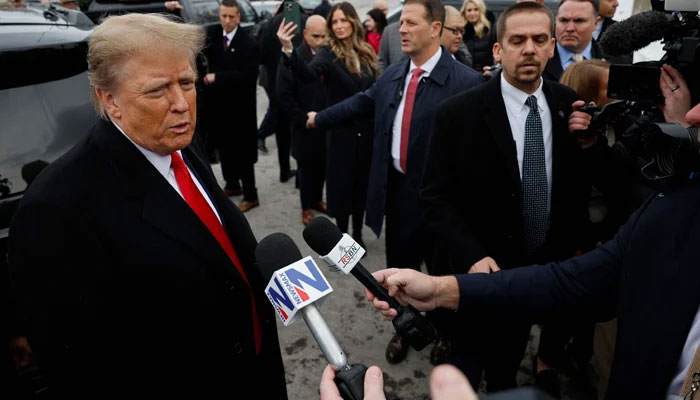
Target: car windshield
204, 11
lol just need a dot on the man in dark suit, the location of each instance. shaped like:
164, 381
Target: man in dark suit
296, 99
606, 12
575, 23
134, 274
647, 276
234, 59
403, 102
502, 186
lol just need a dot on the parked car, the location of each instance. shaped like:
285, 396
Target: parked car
266, 8
45, 101
203, 12
494, 6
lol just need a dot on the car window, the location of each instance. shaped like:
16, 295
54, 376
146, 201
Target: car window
247, 12
204, 11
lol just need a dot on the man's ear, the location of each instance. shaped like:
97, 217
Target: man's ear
109, 102
435, 29
496, 51
597, 20
553, 45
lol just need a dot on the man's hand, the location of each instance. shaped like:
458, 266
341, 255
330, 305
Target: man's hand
484, 266
311, 119
676, 95
209, 78
408, 286
580, 121
448, 383
20, 351
374, 384
285, 33
173, 5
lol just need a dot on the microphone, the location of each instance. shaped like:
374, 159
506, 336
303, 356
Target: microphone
635, 32
342, 252
295, 284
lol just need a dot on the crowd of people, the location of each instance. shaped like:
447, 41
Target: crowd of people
459, 135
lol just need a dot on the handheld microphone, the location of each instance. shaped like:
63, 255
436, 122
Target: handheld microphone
295, 284
635, 33
342, 252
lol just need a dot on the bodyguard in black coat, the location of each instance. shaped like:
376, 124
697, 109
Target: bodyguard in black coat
231, 102
473, 185
117, 251
308, 145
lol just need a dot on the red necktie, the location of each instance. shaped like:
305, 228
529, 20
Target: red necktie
407, 112
199, 205
225, 44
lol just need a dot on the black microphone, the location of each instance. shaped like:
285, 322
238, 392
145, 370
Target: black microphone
635, 32
278, 251
324, 238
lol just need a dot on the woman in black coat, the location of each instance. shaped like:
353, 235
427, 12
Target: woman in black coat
347, 65
479, 33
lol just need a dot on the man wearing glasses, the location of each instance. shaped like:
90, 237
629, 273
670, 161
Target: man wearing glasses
452, 34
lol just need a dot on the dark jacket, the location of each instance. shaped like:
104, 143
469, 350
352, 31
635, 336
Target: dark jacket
481, 48
553, 69
472, 188
231, 99
346, 179
322, 9
381, 101
125, 293
647, 276
297, 99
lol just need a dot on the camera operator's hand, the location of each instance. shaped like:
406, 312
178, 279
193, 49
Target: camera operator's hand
676, 95
580, 121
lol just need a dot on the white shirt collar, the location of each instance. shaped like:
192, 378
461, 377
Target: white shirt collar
516, 96
161, 163
429, 65
231, 34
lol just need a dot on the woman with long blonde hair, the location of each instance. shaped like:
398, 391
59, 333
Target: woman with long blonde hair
347, 65
479, 34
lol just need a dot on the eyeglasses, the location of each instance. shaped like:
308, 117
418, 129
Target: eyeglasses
456, 31
317, 36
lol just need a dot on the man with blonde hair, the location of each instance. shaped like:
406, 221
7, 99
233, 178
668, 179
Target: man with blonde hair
133, 273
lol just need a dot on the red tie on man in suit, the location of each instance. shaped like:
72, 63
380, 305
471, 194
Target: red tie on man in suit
225, 44
407, 112
199, 205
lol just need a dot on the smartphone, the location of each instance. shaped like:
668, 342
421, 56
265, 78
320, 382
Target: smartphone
638, 83
291, 11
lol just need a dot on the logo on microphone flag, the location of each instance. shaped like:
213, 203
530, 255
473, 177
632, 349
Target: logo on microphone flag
345, 255
296, 286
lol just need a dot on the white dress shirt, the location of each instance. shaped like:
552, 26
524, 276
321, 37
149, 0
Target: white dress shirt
517, 111
229, 36
162, 165
427, 67
691, 344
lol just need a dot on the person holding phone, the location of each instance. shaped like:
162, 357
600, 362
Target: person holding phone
347, 65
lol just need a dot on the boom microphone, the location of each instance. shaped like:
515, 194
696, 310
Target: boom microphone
295, 284
342, 252
635, 33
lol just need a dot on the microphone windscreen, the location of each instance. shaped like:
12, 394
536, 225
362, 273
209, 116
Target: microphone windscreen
274, 252
322, 235
634, 33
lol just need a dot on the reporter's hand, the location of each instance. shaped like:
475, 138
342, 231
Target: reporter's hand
209, 78
448, 383
484, 266
20, 351
285, 34
311, 119
580, 121
408, 286
676, 95
173, 5
374, 384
